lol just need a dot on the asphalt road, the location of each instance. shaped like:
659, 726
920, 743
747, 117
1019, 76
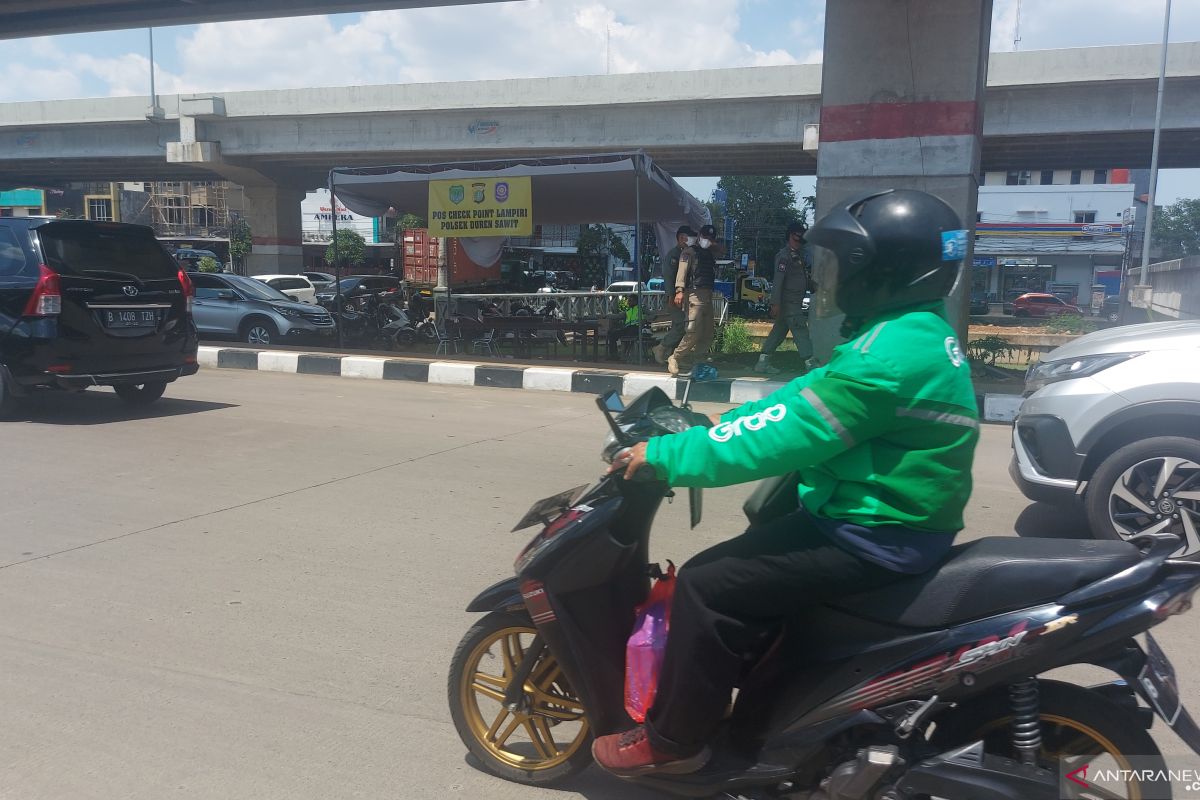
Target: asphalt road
253, 588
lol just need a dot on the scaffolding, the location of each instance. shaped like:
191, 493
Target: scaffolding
199, 209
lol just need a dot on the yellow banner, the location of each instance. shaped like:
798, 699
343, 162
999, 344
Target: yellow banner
481, 207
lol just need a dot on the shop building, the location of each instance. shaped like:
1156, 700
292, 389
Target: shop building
1051, 231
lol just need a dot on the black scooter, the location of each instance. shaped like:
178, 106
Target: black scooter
928, 687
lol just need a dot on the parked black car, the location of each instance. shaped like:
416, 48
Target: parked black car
980, 304
359, 285
1111, 310
87, 303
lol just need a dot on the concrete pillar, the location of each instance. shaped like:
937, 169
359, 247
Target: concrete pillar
902, 107
273, 213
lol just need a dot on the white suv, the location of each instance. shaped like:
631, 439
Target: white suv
1112, 419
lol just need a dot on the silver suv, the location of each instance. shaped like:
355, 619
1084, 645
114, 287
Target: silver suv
1112, 420
235, 306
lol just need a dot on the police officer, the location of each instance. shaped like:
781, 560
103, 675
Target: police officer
684, 237
693, 292
793, 278
881, 440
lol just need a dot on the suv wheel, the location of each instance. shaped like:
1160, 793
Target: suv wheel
140, 394
259, 331
1152, 486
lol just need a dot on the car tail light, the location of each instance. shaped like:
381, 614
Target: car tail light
189, 291
46, 300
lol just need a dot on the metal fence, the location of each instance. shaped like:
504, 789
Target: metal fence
574, 306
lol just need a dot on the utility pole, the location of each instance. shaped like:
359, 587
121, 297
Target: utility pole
1162, 77
1017, 29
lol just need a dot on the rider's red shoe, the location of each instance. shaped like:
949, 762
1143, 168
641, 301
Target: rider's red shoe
630, 753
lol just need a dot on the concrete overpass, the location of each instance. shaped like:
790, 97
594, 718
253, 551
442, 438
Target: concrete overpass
1082, 108
49, 17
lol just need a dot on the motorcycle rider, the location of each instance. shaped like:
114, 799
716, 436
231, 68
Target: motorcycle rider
793, 278
881, 439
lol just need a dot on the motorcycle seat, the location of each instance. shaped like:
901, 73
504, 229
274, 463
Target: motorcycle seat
992, 576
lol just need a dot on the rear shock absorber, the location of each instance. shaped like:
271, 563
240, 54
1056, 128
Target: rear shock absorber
1026, 721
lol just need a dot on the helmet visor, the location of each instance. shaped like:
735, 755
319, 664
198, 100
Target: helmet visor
840, 247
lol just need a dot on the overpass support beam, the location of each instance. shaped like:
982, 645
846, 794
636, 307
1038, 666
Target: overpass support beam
273, 213
902, 107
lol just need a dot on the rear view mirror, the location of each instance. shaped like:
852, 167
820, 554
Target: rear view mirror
226, 294
612, 402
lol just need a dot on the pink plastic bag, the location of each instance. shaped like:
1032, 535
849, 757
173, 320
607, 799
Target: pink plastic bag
644, 652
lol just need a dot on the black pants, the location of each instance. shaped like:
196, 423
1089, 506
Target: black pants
725, 599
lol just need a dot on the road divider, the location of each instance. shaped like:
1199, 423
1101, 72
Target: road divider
1000, 408
466, 373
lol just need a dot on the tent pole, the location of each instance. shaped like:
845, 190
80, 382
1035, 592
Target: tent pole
637, 252
337, 261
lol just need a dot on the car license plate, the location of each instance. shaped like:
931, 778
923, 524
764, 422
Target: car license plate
129, 318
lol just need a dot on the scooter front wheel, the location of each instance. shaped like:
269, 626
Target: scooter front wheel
543, 742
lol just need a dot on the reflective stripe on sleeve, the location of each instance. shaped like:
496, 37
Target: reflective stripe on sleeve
938, 416
827, 415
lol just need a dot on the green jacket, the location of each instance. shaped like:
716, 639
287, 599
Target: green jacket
883, 434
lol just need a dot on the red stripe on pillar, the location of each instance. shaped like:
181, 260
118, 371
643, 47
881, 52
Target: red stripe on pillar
898, 120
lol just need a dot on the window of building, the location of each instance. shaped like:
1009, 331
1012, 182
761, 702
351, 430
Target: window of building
100, 209
1076, 176
1082, 217
1017, 178
174, 212
1047, 177
1100, 176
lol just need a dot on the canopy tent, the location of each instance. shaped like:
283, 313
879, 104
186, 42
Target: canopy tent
613, 187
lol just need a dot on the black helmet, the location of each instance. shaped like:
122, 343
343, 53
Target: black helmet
894, 248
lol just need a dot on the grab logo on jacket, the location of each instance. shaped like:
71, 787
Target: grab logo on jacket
754, 422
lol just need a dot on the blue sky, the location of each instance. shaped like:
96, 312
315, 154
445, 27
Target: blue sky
525, 38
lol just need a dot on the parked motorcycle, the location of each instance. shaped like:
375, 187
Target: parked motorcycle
929, 687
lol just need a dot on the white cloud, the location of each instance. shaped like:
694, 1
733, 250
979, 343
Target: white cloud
16, 79
535, 38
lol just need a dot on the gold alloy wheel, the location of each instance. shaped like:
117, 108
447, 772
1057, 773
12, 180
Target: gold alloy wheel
553, 729
1064, 738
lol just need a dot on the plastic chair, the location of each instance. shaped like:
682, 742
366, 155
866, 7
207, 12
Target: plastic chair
444, 341
486, 344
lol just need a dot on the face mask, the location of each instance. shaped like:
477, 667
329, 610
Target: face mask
705, 243
691, 240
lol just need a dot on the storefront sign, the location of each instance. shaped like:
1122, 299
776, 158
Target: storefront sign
481, 207
1019, 261
984, 261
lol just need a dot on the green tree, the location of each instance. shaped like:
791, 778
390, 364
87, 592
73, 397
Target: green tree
351, 249
763, 207
407, 222
1177, 229
209, 264
241, 242
598, 240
